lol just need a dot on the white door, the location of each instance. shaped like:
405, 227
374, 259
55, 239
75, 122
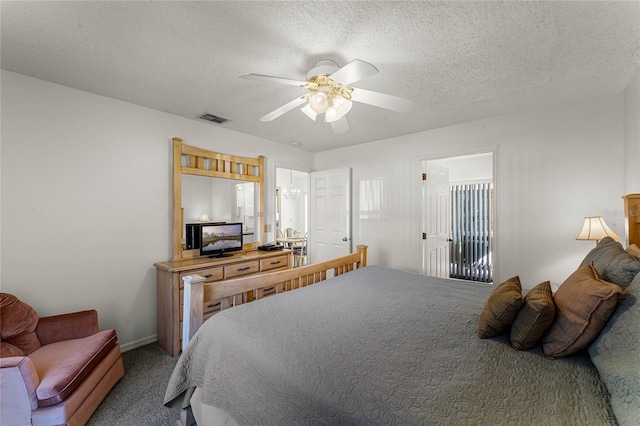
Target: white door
435, 258
330, 218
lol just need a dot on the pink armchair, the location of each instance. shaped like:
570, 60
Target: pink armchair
53, 370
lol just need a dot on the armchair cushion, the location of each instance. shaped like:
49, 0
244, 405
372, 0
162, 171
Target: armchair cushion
67, 326
62, 366
18, 323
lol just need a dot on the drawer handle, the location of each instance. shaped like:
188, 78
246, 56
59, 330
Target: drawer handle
246, 268
275, 263
208, 276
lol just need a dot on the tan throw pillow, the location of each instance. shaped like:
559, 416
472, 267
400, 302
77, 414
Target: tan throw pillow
534, 318
501, 308
633, 250
584, 304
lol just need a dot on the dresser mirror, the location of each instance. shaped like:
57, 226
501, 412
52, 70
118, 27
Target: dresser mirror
210, 186
206, 199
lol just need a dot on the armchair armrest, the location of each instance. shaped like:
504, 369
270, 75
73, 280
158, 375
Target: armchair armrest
57, 328
18, 383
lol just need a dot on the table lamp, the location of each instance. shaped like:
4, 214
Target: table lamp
595, 228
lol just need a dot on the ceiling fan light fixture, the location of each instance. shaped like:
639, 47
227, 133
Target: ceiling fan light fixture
331, 114
319, 102
338, 109
342, 105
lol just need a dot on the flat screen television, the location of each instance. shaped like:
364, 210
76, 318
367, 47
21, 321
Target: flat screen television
218, 239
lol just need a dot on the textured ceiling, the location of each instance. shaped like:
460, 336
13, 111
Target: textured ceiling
458, 61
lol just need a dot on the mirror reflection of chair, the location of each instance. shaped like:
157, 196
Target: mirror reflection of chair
279, 234
300, 253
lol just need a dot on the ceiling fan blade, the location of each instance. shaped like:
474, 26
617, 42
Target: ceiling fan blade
271, 79
283, 109
354, 71
382, 100
340, 126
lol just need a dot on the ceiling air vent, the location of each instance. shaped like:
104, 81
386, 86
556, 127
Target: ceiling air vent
214, 118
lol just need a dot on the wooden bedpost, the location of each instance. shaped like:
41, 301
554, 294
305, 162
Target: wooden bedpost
193, 308
362, 251
191, 322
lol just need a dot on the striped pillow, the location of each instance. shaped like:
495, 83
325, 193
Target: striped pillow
501, 308
534, 318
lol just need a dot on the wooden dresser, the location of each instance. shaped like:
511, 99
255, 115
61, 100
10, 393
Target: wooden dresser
170, 286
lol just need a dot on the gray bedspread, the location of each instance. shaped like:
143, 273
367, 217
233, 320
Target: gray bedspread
380, 346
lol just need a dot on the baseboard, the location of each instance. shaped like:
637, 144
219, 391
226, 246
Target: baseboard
138, 343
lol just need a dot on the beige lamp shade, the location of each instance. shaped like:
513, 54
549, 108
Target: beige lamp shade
596, 229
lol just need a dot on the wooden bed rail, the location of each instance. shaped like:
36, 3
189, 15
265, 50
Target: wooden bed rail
246, 289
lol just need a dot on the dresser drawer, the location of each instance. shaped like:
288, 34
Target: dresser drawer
209, 274
274, 263
241, 269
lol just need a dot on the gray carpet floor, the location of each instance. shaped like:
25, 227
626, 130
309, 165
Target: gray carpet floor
137, 398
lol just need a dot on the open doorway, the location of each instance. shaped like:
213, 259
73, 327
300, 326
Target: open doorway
292, 212
458, 200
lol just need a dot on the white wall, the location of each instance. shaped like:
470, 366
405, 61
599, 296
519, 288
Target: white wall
556, 166
632, 136
86, 199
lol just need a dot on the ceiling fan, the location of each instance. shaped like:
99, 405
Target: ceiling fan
330, 93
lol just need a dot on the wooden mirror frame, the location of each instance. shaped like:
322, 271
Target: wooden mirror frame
215, 165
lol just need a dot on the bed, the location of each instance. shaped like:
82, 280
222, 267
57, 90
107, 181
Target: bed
382, 346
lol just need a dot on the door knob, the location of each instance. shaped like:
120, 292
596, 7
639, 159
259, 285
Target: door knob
345, 239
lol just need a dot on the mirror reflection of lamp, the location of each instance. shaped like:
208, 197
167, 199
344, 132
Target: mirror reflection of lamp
595, 228
204, 218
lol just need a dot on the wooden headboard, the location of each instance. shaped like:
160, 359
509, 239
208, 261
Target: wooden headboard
632, 216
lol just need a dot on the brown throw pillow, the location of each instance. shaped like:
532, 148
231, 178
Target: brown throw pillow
584, 304
18, 322
501, 308
633, 250
534, 318
7, 350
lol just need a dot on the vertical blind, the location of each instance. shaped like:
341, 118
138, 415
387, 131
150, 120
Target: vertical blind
471, 233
